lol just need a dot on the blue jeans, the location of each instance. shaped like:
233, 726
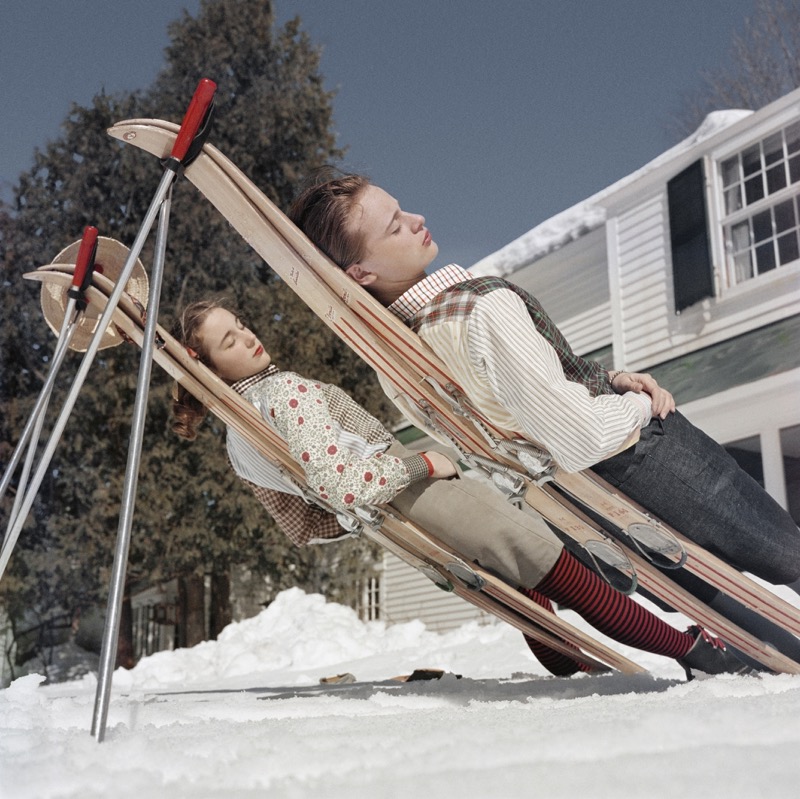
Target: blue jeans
690, 481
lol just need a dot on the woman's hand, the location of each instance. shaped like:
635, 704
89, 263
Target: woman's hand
443, 467
663, 402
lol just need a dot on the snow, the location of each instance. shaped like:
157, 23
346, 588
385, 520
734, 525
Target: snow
245, 716
589, 214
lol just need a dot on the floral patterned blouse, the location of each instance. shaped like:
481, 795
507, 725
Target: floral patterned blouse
340, 447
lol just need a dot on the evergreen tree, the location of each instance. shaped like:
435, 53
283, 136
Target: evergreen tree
273, 118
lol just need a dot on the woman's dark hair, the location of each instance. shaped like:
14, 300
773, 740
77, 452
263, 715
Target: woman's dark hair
187, 410
322, 210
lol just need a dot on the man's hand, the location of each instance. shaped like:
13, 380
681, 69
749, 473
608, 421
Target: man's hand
443, 467
663, 402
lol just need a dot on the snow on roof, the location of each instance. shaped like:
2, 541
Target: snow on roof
588, 214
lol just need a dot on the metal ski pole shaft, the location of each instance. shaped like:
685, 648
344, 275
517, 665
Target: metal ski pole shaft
40, 407
116, 593
34, 432
81, 277
88, 358
76, 305
197, 116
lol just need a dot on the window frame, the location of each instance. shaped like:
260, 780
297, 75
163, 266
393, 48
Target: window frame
748, 213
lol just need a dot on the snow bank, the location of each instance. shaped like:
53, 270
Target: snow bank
245, 716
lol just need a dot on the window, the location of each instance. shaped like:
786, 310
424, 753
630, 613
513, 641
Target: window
762, 217
154, 629
370, 605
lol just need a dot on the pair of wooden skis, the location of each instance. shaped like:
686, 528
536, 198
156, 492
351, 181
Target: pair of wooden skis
387, 527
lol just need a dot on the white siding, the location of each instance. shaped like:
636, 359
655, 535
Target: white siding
589, 331
647, 329
409, 595
644, 291
572, 285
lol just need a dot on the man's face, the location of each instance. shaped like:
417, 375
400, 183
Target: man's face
233, 350
398, 246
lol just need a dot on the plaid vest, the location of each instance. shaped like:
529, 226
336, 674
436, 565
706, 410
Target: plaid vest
459, 300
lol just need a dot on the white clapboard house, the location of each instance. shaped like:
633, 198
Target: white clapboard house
689, 269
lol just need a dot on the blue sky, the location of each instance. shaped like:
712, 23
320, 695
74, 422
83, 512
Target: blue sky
488, 118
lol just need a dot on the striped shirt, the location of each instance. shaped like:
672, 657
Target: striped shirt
340, 447
517, 368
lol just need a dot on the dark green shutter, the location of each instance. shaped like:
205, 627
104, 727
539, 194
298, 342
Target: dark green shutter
692, 275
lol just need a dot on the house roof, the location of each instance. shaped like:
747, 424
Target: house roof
590, 213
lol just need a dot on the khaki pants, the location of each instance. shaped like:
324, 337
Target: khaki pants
480, 525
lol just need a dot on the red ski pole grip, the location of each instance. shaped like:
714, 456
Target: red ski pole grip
85, 255
201, 101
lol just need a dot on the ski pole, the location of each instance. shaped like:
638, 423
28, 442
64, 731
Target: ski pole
197, 115
76, 305
116, 593
193, 128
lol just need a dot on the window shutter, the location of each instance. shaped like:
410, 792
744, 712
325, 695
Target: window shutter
692, 275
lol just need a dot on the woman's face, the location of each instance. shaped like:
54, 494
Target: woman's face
233, 350
398, 245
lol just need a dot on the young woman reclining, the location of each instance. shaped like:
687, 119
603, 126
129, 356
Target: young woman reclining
351, 460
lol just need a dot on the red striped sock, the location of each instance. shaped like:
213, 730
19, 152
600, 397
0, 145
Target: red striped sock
554, 662
570, 584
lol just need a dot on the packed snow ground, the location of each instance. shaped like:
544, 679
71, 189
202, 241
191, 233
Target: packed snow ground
245, 716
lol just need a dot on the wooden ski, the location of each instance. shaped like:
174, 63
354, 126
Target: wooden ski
399, 535
396, 352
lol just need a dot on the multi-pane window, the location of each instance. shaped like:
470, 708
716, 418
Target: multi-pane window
762, 228
370, 605
154, 629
